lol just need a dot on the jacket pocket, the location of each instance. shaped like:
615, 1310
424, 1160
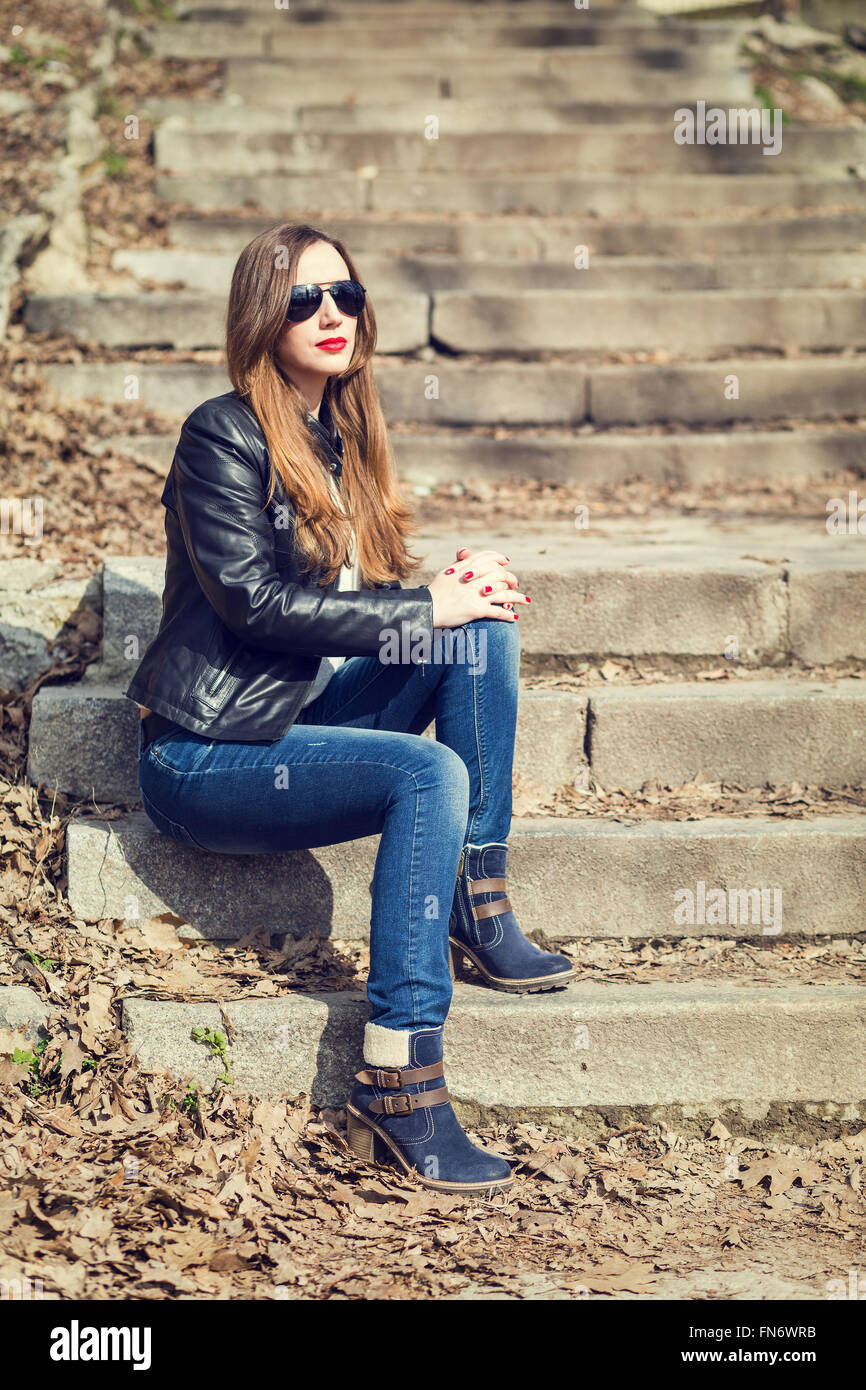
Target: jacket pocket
212, 689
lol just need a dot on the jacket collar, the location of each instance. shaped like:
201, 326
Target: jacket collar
326, 432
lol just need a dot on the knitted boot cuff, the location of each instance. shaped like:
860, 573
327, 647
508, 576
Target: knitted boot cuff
385, 1047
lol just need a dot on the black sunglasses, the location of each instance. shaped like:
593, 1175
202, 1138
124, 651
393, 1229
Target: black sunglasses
348, 295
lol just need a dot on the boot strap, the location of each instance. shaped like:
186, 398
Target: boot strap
390, 1079
403, 1103
490, 909
488, 885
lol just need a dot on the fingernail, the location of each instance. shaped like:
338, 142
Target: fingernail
488, 589
451, 571
528, 599
470, 574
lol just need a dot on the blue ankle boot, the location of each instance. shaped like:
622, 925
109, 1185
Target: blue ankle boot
403, 1112
484, 929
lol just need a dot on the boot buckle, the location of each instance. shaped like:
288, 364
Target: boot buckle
387, 1080
399, 1104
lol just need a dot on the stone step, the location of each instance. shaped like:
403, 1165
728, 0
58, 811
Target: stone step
83, 738
550, 239
672, 586
443, 456
283, 31
454, 12
750, 734
24, 1009
38, 605
590, 75
211, 271
459, 115
388, 47
538, 24
539, 194
568, 878
194, 320
509, 395
719, 1051
592, 321
585, 321
694, 392
251, 143
609, 456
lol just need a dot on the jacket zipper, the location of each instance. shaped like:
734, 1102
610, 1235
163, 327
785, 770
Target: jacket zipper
212, 690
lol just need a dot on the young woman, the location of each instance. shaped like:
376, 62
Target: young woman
286, 692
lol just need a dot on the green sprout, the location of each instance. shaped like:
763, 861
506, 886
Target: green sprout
40, 964
216, 1041
115, 164
31, 1061
190, 1101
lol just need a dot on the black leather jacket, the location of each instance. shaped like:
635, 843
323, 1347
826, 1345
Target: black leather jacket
243, 629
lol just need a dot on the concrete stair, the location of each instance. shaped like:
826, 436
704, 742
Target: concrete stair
672, 589
83, 738
819, 387
430, 274
234, 141
606, 456
529, 242
570, 878
545, 194
464, 115
512, 50
707, 267
600, 1054
533, 321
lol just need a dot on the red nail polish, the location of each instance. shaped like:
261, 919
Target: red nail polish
528, 599
451, 571
469, 574
488, 589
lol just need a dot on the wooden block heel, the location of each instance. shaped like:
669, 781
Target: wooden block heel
362, 1140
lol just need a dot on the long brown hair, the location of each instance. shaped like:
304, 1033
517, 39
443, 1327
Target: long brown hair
260, 290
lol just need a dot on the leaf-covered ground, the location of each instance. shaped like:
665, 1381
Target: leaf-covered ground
116, 1183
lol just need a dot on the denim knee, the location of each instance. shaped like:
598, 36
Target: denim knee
450, 773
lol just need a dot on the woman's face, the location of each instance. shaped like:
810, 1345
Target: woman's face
298, 349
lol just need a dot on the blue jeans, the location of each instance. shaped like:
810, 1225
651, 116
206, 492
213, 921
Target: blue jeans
353, 764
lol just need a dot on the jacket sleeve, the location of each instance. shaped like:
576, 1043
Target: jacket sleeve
230, 541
